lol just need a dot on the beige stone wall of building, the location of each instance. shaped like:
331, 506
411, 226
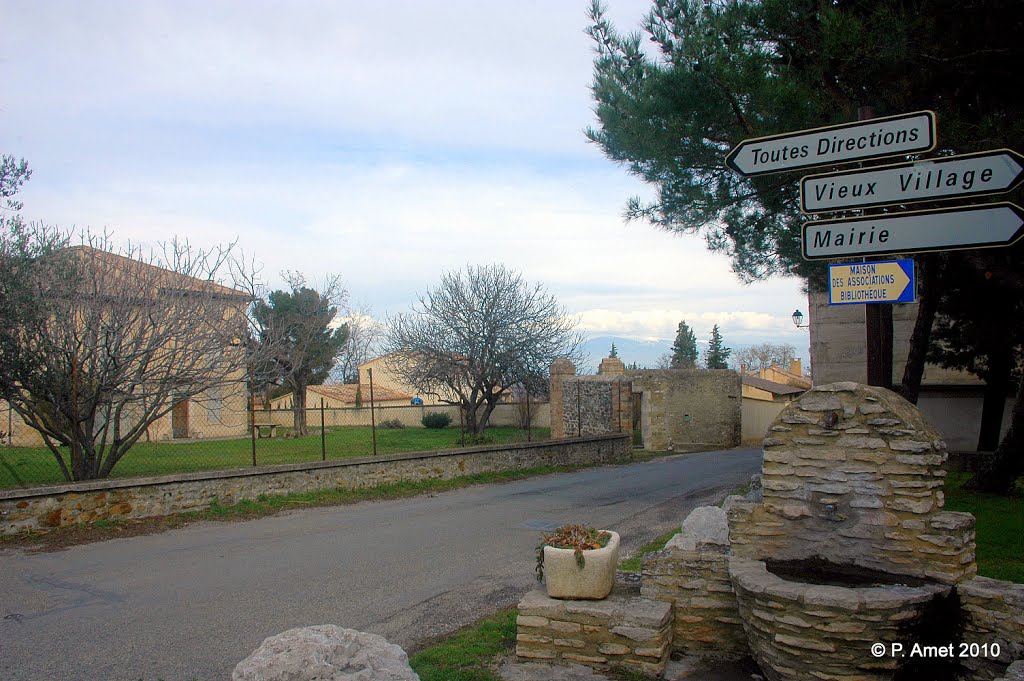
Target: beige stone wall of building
758, 417
505, 415
217, 413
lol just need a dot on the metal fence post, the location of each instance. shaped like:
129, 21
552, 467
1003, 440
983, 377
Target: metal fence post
323, 433
529, 420
373, 418
252, 411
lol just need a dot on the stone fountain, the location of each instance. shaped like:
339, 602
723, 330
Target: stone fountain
844, 560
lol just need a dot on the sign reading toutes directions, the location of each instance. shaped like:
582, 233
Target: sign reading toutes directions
953, 177
876, 138
888, 281
987, 225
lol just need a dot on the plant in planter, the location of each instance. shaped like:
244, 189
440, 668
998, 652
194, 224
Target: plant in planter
576, 561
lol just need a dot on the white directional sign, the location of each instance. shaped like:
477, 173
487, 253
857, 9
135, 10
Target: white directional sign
952, 177
987, 225
875, 138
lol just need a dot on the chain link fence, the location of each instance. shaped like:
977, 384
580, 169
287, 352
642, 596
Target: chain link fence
220, 433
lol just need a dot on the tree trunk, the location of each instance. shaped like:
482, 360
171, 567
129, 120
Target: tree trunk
997, 387
299, 427
1000, 470
931, 268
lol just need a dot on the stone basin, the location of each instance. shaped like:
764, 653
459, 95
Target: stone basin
799, 630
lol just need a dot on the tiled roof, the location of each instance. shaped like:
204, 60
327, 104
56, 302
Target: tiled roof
770, 386
346, 393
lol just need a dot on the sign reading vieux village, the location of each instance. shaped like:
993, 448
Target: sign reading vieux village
952, 177
876, 138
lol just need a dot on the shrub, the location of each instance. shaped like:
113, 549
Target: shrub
436, 420
477, 440
392, 424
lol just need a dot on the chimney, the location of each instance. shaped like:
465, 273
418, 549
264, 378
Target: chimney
794, 367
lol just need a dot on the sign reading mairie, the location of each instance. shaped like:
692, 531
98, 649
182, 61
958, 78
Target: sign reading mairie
986, 225
950, 177
875, 138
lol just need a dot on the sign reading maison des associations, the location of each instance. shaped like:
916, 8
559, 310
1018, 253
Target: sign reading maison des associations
875, 138
887, 281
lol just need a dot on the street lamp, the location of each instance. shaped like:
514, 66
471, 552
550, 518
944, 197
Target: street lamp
798, 317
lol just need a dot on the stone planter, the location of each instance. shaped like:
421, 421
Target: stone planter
594, 581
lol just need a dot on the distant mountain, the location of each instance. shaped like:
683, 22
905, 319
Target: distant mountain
643, 352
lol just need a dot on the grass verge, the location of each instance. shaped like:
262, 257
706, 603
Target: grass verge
469, 654
1000, 528
30, 466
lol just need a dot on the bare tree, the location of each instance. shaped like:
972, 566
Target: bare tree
97, 343
364, 333
763, 355
477, 334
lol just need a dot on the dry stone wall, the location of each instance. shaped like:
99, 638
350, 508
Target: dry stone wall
689, 409
48, 507
993, 612
854, 475
620, 632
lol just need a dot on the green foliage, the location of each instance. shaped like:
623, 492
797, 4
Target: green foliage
436, 420
613, 352
717, 355
684, 349
468, 655
479, 440
579, 538
391, 424
1000, 528
657, 544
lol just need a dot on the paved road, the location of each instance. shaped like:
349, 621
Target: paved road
190, 603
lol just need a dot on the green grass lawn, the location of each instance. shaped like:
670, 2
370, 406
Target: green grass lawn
1000, 529
469, 654
28, 466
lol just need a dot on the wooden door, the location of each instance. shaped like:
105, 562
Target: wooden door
179, 419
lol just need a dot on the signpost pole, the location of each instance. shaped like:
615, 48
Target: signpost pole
877, 320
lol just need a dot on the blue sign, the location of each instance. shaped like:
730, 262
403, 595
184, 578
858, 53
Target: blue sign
860, 283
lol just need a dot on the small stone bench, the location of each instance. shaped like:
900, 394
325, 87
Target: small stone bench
624, 632
265, 429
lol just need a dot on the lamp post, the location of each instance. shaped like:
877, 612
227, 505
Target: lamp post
798, 317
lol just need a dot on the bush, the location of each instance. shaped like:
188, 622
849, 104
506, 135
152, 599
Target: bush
392, 424
478, 440
436, 420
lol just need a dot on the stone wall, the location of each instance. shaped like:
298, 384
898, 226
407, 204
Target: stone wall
692, 573
689, 409
993, 612
57, 505
619, 632
853, 474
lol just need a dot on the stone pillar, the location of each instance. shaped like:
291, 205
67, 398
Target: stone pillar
560, 369
611, 366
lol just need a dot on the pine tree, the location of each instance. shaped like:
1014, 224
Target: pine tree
684, 350
613, 352
717, 355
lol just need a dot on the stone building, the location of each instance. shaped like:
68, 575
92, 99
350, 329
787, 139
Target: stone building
663, 409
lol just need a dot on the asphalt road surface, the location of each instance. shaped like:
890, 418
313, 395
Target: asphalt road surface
191, 603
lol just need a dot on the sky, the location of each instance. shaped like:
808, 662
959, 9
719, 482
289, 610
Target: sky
385, 142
